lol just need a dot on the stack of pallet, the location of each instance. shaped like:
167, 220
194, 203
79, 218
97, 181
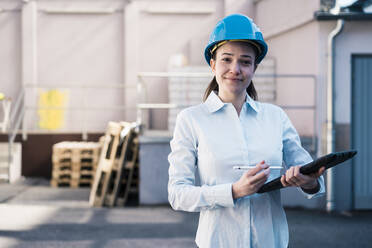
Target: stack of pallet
74, 163
117, 176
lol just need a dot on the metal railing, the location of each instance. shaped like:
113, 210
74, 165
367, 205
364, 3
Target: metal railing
15, 121
142, 90
6, 105
145, 106
19, 109
313, 107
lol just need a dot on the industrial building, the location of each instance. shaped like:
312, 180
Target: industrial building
68, 68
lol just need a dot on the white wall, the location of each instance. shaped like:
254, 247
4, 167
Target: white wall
10, 48
355, 39
325, 28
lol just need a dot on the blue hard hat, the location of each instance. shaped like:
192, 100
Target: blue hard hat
236, 27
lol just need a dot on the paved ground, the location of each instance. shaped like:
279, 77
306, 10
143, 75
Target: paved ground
32, 214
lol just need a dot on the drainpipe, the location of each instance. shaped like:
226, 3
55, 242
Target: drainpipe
330, 111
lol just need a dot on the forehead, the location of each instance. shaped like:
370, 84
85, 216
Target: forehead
236, 48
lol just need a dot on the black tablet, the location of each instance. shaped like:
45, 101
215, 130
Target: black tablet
328, 161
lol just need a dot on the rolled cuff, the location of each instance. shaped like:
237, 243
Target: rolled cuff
221, 195
318, 193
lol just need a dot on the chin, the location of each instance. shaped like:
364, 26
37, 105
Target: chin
237, 92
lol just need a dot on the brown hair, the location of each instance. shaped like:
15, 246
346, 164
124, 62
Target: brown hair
213, 86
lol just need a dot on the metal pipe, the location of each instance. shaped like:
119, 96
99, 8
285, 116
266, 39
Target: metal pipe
208, 74
83, 11
17, 105
162, 10
175, 74
142, 90
330, 111
83, 108
78, 85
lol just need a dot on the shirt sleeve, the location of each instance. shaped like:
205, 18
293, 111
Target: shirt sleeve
182, 192
294, 154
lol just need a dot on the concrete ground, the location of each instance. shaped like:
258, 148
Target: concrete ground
32, 214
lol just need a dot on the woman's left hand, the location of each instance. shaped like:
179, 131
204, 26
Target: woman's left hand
294, 178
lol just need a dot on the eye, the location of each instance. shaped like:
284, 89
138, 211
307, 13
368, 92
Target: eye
226, 59
246, 62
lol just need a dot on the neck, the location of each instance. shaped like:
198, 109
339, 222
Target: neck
236, 100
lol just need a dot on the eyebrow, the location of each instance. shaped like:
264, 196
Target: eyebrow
244, 55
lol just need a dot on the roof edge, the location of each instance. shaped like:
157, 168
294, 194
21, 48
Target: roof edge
347, 16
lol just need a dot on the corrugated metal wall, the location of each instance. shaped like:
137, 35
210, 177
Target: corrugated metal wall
361, 130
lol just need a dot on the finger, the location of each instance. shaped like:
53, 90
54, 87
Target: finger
293, 176
319, 173
296, 172
283, 181
299, 177
258, 185
294, 182
261, 177
289, 175
260, 166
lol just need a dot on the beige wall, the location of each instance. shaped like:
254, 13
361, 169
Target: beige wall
10, 48
274, 17
159, 29
293, 39
142, 36
58, 44
296, 53
63, 45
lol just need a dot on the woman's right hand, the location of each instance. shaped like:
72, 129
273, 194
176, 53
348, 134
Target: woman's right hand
251, 181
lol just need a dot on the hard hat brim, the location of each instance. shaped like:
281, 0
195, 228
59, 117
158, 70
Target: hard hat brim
262, 53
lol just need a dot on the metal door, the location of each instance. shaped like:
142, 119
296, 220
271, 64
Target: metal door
362, 130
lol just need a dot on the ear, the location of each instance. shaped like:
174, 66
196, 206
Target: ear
213, 66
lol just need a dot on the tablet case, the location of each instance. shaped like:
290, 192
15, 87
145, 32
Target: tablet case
328, 161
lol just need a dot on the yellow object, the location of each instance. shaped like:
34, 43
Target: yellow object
51, 112
2, 96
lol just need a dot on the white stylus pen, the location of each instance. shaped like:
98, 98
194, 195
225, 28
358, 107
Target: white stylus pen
248, 167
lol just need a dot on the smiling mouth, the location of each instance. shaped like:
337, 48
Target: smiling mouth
234, 79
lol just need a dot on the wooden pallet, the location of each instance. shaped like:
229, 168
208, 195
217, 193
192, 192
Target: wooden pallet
130, 182
70, 174
63, 174
76, 167
76, 152
105, 165
114, 174
74, 163
124, 167
77, 183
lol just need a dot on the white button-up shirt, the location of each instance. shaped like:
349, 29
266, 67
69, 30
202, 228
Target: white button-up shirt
209, 139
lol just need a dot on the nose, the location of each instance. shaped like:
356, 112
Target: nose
235, 67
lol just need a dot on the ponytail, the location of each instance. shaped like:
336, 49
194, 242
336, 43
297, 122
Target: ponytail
213, 86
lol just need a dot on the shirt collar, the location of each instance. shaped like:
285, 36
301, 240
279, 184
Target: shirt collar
214, 103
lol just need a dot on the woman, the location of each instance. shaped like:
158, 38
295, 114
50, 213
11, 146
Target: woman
230, 128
